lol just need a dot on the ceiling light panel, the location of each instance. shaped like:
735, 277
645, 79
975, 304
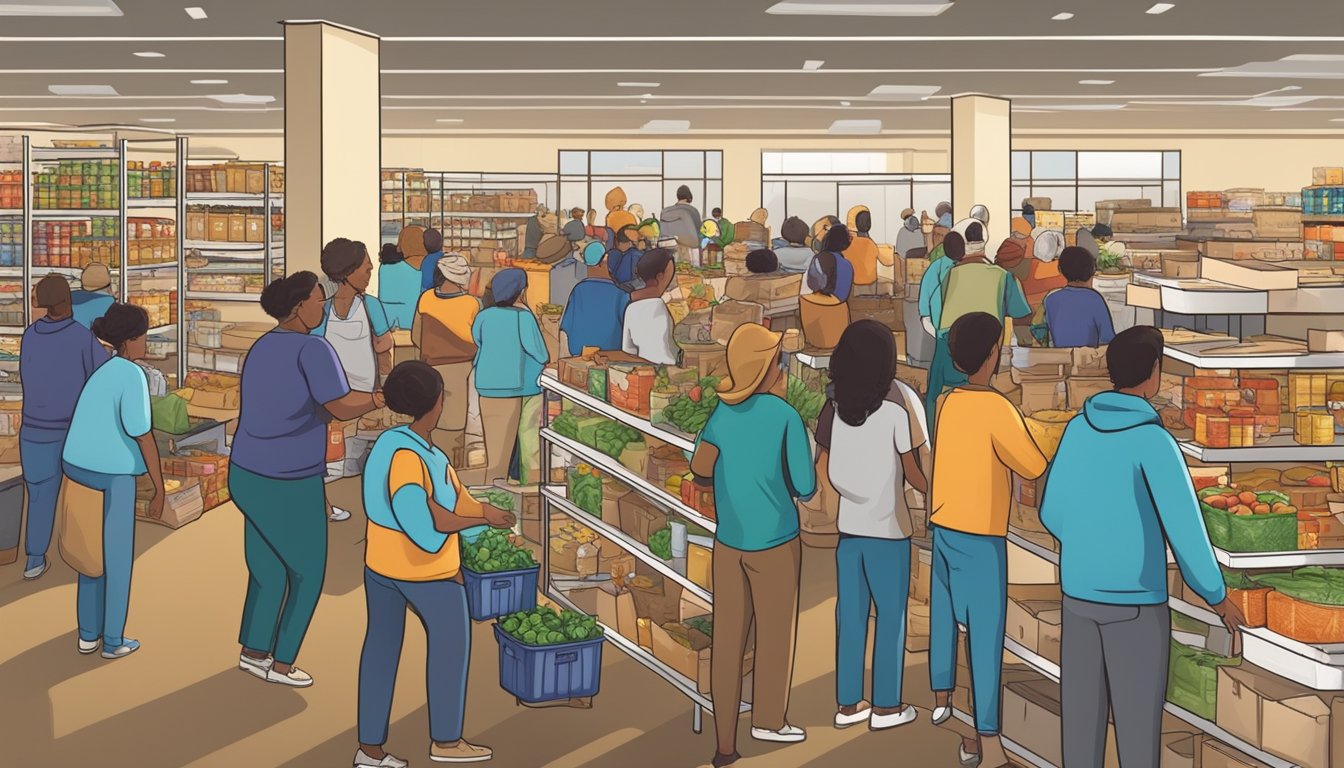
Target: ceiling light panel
638, 85
241, 98
158, 120
903, 92
1160, 8
812, 65
209, 82
82, 90
1305, 66
149, 54
667, 126
195, 12
1096, 82
856, 127
1065, 16
83, 8
858, 8
448, 120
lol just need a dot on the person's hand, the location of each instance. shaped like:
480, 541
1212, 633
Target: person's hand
498, 518
156, 505
1233, 619
927, 323
379, 402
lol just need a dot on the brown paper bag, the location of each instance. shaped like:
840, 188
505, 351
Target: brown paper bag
79, 512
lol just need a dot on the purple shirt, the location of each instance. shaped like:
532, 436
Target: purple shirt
282, 426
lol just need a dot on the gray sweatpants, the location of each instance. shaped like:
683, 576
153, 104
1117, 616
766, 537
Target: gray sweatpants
1113, 656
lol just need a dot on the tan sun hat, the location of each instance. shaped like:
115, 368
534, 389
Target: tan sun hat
753, 350
95, 277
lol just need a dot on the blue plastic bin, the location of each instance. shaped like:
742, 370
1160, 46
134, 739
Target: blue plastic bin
549, 672
490, 595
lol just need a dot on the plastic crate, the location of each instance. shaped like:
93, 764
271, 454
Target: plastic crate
490, 595
549, 672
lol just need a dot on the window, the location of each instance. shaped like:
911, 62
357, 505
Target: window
649, 178
1077, 180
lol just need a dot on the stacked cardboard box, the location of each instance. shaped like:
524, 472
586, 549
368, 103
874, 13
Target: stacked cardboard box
1281, 717
917, 612
1041, 372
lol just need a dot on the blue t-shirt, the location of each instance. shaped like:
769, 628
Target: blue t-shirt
931, 287
88, 306
428, 268
399, 290
282, 424
594, 315
622, 265
113, 410
765, 462
1078, 317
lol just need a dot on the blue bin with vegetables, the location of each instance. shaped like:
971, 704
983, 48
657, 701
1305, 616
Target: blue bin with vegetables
1246, 521
546, 655
500, 576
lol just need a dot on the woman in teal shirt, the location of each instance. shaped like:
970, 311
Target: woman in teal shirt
756, 451
110, 443
398, 286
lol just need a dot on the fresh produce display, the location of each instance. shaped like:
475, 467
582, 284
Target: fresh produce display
1192, 679
496, 498
1323, 586
585, 489
1245, 521
1246, 502
612, 437
494, 551
660, 543
566, 425
543, 626
807, 401
690, 412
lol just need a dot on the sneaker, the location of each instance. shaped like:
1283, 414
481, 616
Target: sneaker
86, 646
339, 515
942, 714
720, 761
461, 752
967, 758
35, 571
255, 667
296, 678
787, 735
364, 761
843, 720
126, 648
883, 722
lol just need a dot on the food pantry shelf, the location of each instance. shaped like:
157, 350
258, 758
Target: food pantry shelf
1038, 550
76, 213
484, 215
1221, 735
671, 437
1279, 449
614, 468
152, 202
1293, 559
1205, 297
1255, 362
555, 494
219, 296
1034, 660
223, 245
235, 199
1031, 758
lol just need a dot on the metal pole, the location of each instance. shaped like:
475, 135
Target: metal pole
180, 174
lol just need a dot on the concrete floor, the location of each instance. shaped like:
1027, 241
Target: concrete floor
181, 701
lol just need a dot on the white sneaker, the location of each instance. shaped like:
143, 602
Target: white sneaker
883, 722
942, 714
296, 678
339, 515
364, 761
844, 721
126, 648
789, 734
966, 758
36, 573
86, 647
254, 667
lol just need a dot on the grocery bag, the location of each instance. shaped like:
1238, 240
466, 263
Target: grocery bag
169, 414
79, 515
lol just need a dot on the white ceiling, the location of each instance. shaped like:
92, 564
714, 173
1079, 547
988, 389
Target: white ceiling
721, 65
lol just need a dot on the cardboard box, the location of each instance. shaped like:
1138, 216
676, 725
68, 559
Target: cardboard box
660, 602
1031, 717
1043, 396
1040, 364
240, 336
1181, 750
921, 578
197, 225
684, 660
1034, 616
255, 229
224, 398
1079, 389
707, 359
1325, 341
1088, 362
1215, 754
1326, 175
764, 289
1180, 265
237, 227
917, 627
1250, 273
1279, 716
639, 519
217, 227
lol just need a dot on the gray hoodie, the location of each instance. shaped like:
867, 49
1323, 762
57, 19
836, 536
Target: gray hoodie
681, 221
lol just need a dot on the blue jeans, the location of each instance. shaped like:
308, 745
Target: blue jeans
970, 587
943, 375
103, 602
870, 571
40, 454
442, 608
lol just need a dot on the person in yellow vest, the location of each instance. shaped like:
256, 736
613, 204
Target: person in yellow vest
416, 509
442, 333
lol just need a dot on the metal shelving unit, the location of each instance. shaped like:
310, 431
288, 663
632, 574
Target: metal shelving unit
239, 258
554, 501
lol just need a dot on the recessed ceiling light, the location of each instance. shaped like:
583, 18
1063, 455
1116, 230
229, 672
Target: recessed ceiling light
1160, 8
448, 120
643, 101
149, 54
667, 126
844, 103
1291, 88
195, 12
63, 8
903, 92
646, 96
82, 90
812, 65
1096, 82
639, 85
858, 8
1065, 16
209, 82
158, 120
241, 98
856, 126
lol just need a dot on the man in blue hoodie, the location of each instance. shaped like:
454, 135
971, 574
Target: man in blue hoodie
57, 355
1114, 520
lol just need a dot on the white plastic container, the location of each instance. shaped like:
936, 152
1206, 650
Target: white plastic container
1318, 667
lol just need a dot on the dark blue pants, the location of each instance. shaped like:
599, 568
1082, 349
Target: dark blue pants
40, 455
442, 608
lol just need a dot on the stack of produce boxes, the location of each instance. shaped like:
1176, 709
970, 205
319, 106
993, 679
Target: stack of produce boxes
1230, 411
1313, 401
151, 241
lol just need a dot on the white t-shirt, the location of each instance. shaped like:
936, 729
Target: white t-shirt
648, 332
865, 465
352, 338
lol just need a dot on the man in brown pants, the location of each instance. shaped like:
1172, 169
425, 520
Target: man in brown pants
757, 553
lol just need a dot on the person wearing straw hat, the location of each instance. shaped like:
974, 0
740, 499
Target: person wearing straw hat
94, 297
442, 333
595, 313
755, 451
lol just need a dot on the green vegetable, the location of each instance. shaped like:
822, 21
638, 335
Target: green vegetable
701, 624
543, 626
1192, 679
660, 543
566, 425
689, 414
585, 490
1315, 584
807, 401
1239, 580
495, 552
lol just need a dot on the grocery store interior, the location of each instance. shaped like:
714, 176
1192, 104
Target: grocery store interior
196, 153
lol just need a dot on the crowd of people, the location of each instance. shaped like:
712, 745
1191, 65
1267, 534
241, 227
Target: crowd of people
87, 418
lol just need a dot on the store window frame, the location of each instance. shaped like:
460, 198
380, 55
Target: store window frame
710, 185
1077, 183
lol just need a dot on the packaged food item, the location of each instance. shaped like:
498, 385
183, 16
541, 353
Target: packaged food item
1314, 426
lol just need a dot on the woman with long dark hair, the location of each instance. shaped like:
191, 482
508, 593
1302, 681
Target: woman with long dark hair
869, 434
837, 241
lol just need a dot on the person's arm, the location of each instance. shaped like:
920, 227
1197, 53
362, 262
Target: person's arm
149, 450
914, 474
471, 508
802, 472
417, 328
137, 421
1105, 328
1167, 483
928, 286
1013, 443
903, 438
885, 258
706, 454
379, 325
670, 349
413, 507
533, 343
327, 384
1014, 300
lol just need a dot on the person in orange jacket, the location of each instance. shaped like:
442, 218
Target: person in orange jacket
863, 252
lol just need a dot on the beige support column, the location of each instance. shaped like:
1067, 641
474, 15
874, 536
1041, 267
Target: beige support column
982, 139
333, 140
